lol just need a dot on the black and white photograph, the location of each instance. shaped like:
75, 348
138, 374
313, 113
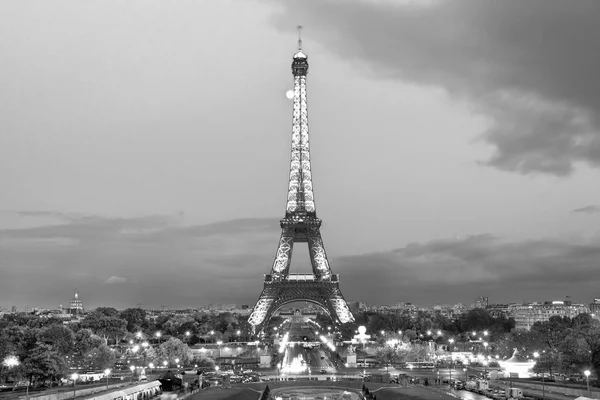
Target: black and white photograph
300, 199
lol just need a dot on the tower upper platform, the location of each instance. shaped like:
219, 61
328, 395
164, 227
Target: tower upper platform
300, 64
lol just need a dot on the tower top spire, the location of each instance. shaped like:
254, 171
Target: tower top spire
299, 53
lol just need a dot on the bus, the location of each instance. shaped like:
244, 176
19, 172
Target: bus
420, 365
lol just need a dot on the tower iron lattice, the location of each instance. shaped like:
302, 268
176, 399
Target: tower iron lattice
300, 225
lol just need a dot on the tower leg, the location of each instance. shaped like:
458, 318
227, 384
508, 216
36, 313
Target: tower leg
283, 258
318, 257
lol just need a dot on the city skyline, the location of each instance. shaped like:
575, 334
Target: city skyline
145, 149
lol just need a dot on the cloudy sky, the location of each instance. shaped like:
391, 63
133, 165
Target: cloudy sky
144, 148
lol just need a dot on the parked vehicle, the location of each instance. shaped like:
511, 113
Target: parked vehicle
513, 393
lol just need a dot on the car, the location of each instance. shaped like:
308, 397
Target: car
323, 371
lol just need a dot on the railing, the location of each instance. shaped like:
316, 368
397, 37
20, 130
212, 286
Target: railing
302, 278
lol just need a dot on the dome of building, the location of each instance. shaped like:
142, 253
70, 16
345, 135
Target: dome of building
76, 306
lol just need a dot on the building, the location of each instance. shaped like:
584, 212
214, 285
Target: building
498, 310
76, 306
482, 302
528, 314
595, 308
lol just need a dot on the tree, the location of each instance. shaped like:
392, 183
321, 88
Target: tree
59, 337
104, 324
100, 358
205, 362
43, 362
385, 355
174, 349
86, 341
135, 318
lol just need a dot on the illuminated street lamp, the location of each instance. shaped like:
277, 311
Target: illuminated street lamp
587, 377
106, 373
138, 335
451, 341
132, 368
74, 377
485, 333
536, 355
165, 363
10, 361
219, 343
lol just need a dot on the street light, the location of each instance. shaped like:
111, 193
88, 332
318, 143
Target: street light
219, 343
465, 371
451, 341
10, 361
587, 377
536, 355
106, 372
74, 377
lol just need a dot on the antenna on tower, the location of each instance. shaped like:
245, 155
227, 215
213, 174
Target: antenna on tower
299, 27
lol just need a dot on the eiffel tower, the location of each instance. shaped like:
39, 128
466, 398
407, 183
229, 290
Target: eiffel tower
300, 225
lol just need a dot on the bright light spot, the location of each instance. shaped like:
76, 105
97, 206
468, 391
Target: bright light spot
289, 94
10, 361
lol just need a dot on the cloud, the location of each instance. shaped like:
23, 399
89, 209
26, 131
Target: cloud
163, 260
587, 210
224, 262
115, 279
531, 66
484, 265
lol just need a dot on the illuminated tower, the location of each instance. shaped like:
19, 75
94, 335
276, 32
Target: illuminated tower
76, 306
299, 225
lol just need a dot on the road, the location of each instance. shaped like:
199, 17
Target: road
300, 359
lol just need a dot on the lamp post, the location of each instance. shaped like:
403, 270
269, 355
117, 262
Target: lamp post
465, 371
362, 336
485, 364
106, 372
451, 341
132, 368
9, 362
74, 377
587, 378
219, 343
536, 355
